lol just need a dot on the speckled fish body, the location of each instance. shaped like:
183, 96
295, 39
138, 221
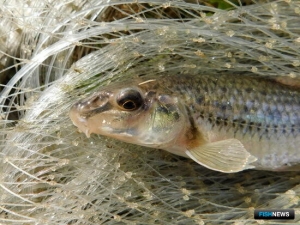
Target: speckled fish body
224, 122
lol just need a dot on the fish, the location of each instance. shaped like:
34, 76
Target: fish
227, 123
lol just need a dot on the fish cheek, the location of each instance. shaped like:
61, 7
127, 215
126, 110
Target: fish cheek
168, 111
122, 119
167, 120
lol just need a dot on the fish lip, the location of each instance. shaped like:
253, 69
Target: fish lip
79, 121
96, 104
127, 133
92, 112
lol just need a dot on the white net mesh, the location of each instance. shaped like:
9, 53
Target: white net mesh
64, 50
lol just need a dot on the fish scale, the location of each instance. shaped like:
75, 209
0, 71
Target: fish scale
277, 114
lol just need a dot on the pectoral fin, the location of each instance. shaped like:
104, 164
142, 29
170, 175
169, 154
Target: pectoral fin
227, 156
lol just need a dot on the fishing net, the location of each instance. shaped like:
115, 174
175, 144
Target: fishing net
54, 53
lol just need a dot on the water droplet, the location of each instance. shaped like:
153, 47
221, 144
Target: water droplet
189, 213
230, 33
199, 53
186, 198
129, 174
254, 69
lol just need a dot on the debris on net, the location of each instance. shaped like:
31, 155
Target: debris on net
65, 50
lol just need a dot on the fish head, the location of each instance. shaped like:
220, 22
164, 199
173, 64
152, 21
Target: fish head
137, 112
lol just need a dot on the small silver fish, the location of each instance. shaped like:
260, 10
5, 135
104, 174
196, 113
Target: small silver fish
227, 123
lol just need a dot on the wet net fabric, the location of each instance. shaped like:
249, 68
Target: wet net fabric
54, 53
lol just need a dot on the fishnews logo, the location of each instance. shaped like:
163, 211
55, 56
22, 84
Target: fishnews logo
280, 214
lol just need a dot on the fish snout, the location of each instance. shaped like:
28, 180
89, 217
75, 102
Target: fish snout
83, 110
78, 119
87, 105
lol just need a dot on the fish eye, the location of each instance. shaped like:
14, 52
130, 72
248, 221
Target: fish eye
130, 99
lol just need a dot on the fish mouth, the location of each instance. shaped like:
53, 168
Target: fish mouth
79, 121
124, 132
82, 111
94, 105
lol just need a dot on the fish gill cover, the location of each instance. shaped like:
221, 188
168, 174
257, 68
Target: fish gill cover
56, 52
